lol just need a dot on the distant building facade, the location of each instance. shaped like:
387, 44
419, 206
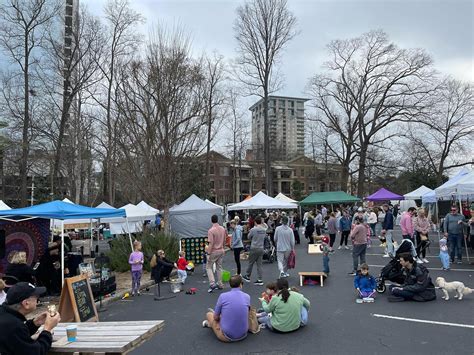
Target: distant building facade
286, 127
231, 181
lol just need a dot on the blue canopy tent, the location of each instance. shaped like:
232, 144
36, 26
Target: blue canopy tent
62, 211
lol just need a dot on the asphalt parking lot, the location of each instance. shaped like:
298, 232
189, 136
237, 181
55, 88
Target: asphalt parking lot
337, 324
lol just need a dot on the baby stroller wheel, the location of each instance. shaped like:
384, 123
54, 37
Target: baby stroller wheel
271, 259
381, 287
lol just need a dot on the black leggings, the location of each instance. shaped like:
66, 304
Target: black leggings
332, 239
297, 235
237, 258
344, 237
421, 244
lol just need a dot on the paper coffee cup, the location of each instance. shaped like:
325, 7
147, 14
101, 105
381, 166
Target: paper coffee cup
71, 332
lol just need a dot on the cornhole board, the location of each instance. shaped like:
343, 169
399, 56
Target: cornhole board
321, 275
314, 249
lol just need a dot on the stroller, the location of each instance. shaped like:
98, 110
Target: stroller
269, 250
393, 270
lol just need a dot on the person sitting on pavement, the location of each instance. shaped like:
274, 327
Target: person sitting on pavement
288, 309
229, 320
285, 243
417, 285
16, 331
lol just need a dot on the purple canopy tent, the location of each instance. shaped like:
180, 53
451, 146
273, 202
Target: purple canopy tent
384, 195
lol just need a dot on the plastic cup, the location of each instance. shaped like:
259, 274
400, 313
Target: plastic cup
71, 332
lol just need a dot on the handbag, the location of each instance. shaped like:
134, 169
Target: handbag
292, 260
253, 321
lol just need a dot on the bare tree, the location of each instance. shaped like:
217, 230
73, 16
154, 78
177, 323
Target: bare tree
23, 25
378, 84
262, 29
215, 98
121, 44
442, 137
161, 107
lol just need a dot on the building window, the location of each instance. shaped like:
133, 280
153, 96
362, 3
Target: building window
264, 187
221, 184
211, 184
302, 173
227, 185
224, 171
211, 169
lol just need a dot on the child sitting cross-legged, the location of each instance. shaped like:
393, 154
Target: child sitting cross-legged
364, 283
270, 291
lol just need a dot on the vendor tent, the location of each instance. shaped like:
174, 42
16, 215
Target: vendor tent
459, 186
192, 218
4, 206
133, 223
384, 195
59, 210
145, 206
262, 201
317, 198
105, 205
285, 198
418, 193
214, 204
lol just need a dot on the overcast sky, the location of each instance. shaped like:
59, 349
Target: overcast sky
444, 28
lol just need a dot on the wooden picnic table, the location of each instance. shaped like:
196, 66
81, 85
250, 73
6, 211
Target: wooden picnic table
104, 337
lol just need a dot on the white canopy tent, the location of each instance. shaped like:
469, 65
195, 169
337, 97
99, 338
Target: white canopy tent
145, 206
285, 198
418, 193
459, 187
133, 223
105, 205
4, 206
213, 204
192, 218
262, 201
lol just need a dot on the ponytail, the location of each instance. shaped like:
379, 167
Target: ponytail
282, 285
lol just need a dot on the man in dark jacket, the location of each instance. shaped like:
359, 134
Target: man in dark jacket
417, 285
16, 331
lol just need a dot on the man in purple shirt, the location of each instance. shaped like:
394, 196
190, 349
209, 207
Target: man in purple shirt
230, 319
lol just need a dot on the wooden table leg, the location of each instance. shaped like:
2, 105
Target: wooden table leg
301, 280
321, 279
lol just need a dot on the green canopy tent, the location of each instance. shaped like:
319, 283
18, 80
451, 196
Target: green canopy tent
330, 197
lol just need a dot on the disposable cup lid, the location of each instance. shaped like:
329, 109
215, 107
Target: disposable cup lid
70, 327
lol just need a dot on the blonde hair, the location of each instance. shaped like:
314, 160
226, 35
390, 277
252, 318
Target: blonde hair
18, 258
181, 253
2, 285
136, 243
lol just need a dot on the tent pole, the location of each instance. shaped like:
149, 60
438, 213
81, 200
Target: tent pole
62, 253
92, 239
129, 234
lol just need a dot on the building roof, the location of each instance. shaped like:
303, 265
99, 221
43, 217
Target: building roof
279, 97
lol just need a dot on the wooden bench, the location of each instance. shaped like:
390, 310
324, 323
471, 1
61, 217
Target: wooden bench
321, 275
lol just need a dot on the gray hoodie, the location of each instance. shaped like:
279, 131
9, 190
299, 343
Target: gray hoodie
257, 236
284, 238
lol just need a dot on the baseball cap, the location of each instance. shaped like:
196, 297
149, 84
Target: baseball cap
360, 209
21, 291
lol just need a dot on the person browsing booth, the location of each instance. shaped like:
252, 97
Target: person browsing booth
16, 331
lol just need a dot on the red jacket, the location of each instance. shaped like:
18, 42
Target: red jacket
182, 264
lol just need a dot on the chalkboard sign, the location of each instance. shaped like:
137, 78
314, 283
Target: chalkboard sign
77, 303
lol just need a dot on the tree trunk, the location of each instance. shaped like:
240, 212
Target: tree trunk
25, 145
266, 145
362, 167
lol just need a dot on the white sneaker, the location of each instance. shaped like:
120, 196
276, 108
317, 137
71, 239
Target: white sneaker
425, 260
419, 261
339, 247
386, 256
205, 324
346, 247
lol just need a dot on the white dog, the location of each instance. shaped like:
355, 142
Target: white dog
456, 286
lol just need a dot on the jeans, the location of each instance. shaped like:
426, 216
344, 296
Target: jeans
455, 246
267, 320
358, 252
215, 258
344, 237
389, 241
444, 256
136, 278
372, 228
304, 316
237, 252
255, 256
282, 257
182, 275
401, 293
369, 293
326, 264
